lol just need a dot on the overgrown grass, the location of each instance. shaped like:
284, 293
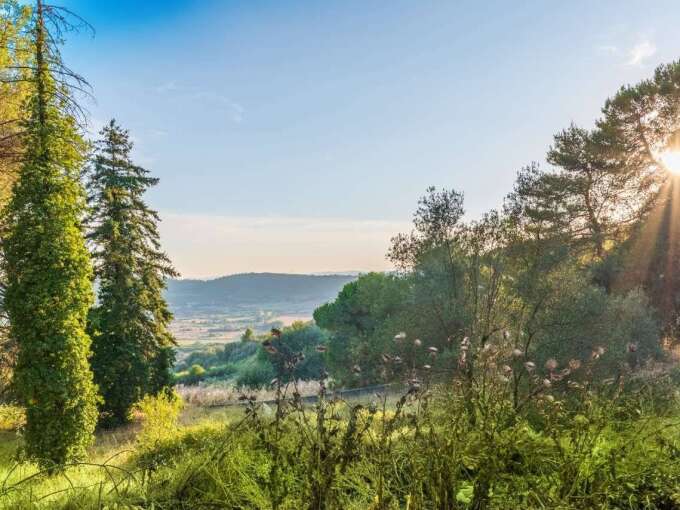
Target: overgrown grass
558, 440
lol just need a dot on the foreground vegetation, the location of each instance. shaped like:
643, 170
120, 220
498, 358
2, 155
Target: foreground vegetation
569, 442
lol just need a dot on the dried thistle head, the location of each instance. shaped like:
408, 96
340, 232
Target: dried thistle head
574, 364
400, 336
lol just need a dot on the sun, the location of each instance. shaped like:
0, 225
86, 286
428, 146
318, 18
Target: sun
671, 161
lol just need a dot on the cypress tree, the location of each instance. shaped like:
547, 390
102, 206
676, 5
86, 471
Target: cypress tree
133, 349
49, 289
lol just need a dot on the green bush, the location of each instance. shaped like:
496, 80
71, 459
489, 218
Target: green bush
12, 417
257, 374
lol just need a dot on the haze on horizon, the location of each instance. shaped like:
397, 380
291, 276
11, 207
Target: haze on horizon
297, 136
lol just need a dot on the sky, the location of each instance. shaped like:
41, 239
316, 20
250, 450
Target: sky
297, 136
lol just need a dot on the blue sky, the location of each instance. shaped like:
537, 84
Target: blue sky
298, 135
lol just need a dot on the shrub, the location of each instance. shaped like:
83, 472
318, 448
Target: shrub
159, 416
12, 417
256, 375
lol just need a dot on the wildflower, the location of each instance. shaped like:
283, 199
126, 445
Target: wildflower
599, 351
417, 342
546, 383
551, 364
574, 364
530, 366
321, 348
517, 353
463, 359
399, 336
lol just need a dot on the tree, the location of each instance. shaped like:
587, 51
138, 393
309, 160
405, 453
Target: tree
133, 349
47, 264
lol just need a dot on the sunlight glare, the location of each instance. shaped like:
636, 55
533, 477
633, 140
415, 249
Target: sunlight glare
671, 160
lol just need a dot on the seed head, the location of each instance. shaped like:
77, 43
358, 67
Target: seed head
546, 383
432, 350
417, 342
356, 369
517, 353
399, 336
574, 364
530, 366
507, 370
551, 364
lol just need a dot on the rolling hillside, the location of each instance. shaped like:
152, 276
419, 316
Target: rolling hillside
273, 291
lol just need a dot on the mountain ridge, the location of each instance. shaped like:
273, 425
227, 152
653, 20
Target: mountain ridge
283, 292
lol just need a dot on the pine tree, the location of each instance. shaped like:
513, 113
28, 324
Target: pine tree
49, 288
133, 349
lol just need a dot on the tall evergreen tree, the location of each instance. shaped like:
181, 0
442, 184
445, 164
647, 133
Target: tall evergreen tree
49, 289
133, 349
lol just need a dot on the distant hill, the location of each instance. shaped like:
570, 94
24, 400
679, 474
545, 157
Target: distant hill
271, 291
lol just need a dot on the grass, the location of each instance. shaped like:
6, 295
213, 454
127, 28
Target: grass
428, 449
101, 479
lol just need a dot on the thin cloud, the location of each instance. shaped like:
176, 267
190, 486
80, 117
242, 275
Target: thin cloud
169, 86
235, 110
641, 52
608, 49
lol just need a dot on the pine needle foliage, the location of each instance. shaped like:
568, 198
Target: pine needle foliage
133, 349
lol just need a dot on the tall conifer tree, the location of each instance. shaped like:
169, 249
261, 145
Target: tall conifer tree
133, 349
49, 289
